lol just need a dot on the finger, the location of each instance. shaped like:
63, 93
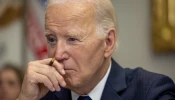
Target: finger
47, 71
52, 74
44, 80
59, 67
44, 61
60, 79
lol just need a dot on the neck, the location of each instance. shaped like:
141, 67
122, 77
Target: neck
98, 77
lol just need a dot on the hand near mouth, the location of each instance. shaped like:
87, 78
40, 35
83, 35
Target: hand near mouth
42, 76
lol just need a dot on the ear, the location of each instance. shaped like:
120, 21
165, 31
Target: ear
110, 42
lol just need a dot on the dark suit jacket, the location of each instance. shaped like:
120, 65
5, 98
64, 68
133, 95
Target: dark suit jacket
129, 84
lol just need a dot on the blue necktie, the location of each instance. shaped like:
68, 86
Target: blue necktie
84, 98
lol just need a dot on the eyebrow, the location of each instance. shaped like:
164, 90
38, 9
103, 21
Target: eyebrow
72, 34
75, 33
49, 33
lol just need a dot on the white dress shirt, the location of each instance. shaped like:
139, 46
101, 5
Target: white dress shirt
96, 93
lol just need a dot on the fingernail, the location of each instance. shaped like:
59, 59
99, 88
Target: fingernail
64, 84
63, 72
53, 89
58, 89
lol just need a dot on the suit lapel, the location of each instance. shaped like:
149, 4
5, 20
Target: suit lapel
115, 83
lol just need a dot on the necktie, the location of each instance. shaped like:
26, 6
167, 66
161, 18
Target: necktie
84, 98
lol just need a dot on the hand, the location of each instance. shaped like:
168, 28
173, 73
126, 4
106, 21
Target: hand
40, 78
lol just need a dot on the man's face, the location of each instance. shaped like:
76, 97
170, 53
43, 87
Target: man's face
73, 41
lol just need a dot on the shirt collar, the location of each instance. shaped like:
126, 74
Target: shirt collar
96, 93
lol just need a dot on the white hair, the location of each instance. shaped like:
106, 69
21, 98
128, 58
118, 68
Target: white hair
104, 13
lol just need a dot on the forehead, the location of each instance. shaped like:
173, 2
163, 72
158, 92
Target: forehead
7, 73
62, 13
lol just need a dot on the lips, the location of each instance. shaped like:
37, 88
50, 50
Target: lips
68, 69
67, 66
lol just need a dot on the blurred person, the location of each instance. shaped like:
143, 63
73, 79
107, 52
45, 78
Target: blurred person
81, 36
11, 79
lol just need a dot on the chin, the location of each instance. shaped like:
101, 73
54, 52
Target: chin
73, 82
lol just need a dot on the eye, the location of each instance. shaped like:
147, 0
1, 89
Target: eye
52, 40
72, 39
11, 83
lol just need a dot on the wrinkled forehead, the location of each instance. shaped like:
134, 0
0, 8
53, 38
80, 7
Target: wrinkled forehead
62, 13
51, 2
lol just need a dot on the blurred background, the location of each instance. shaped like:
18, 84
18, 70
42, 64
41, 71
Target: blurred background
146, 33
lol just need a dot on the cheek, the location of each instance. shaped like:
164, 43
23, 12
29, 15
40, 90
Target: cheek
87, 52
93, 51
51, 52
16, 90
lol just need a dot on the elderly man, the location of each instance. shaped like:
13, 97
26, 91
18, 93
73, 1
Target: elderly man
81, 36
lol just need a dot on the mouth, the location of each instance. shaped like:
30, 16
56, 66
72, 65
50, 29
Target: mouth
69, 69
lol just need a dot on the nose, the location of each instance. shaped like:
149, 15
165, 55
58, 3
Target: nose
61, 53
